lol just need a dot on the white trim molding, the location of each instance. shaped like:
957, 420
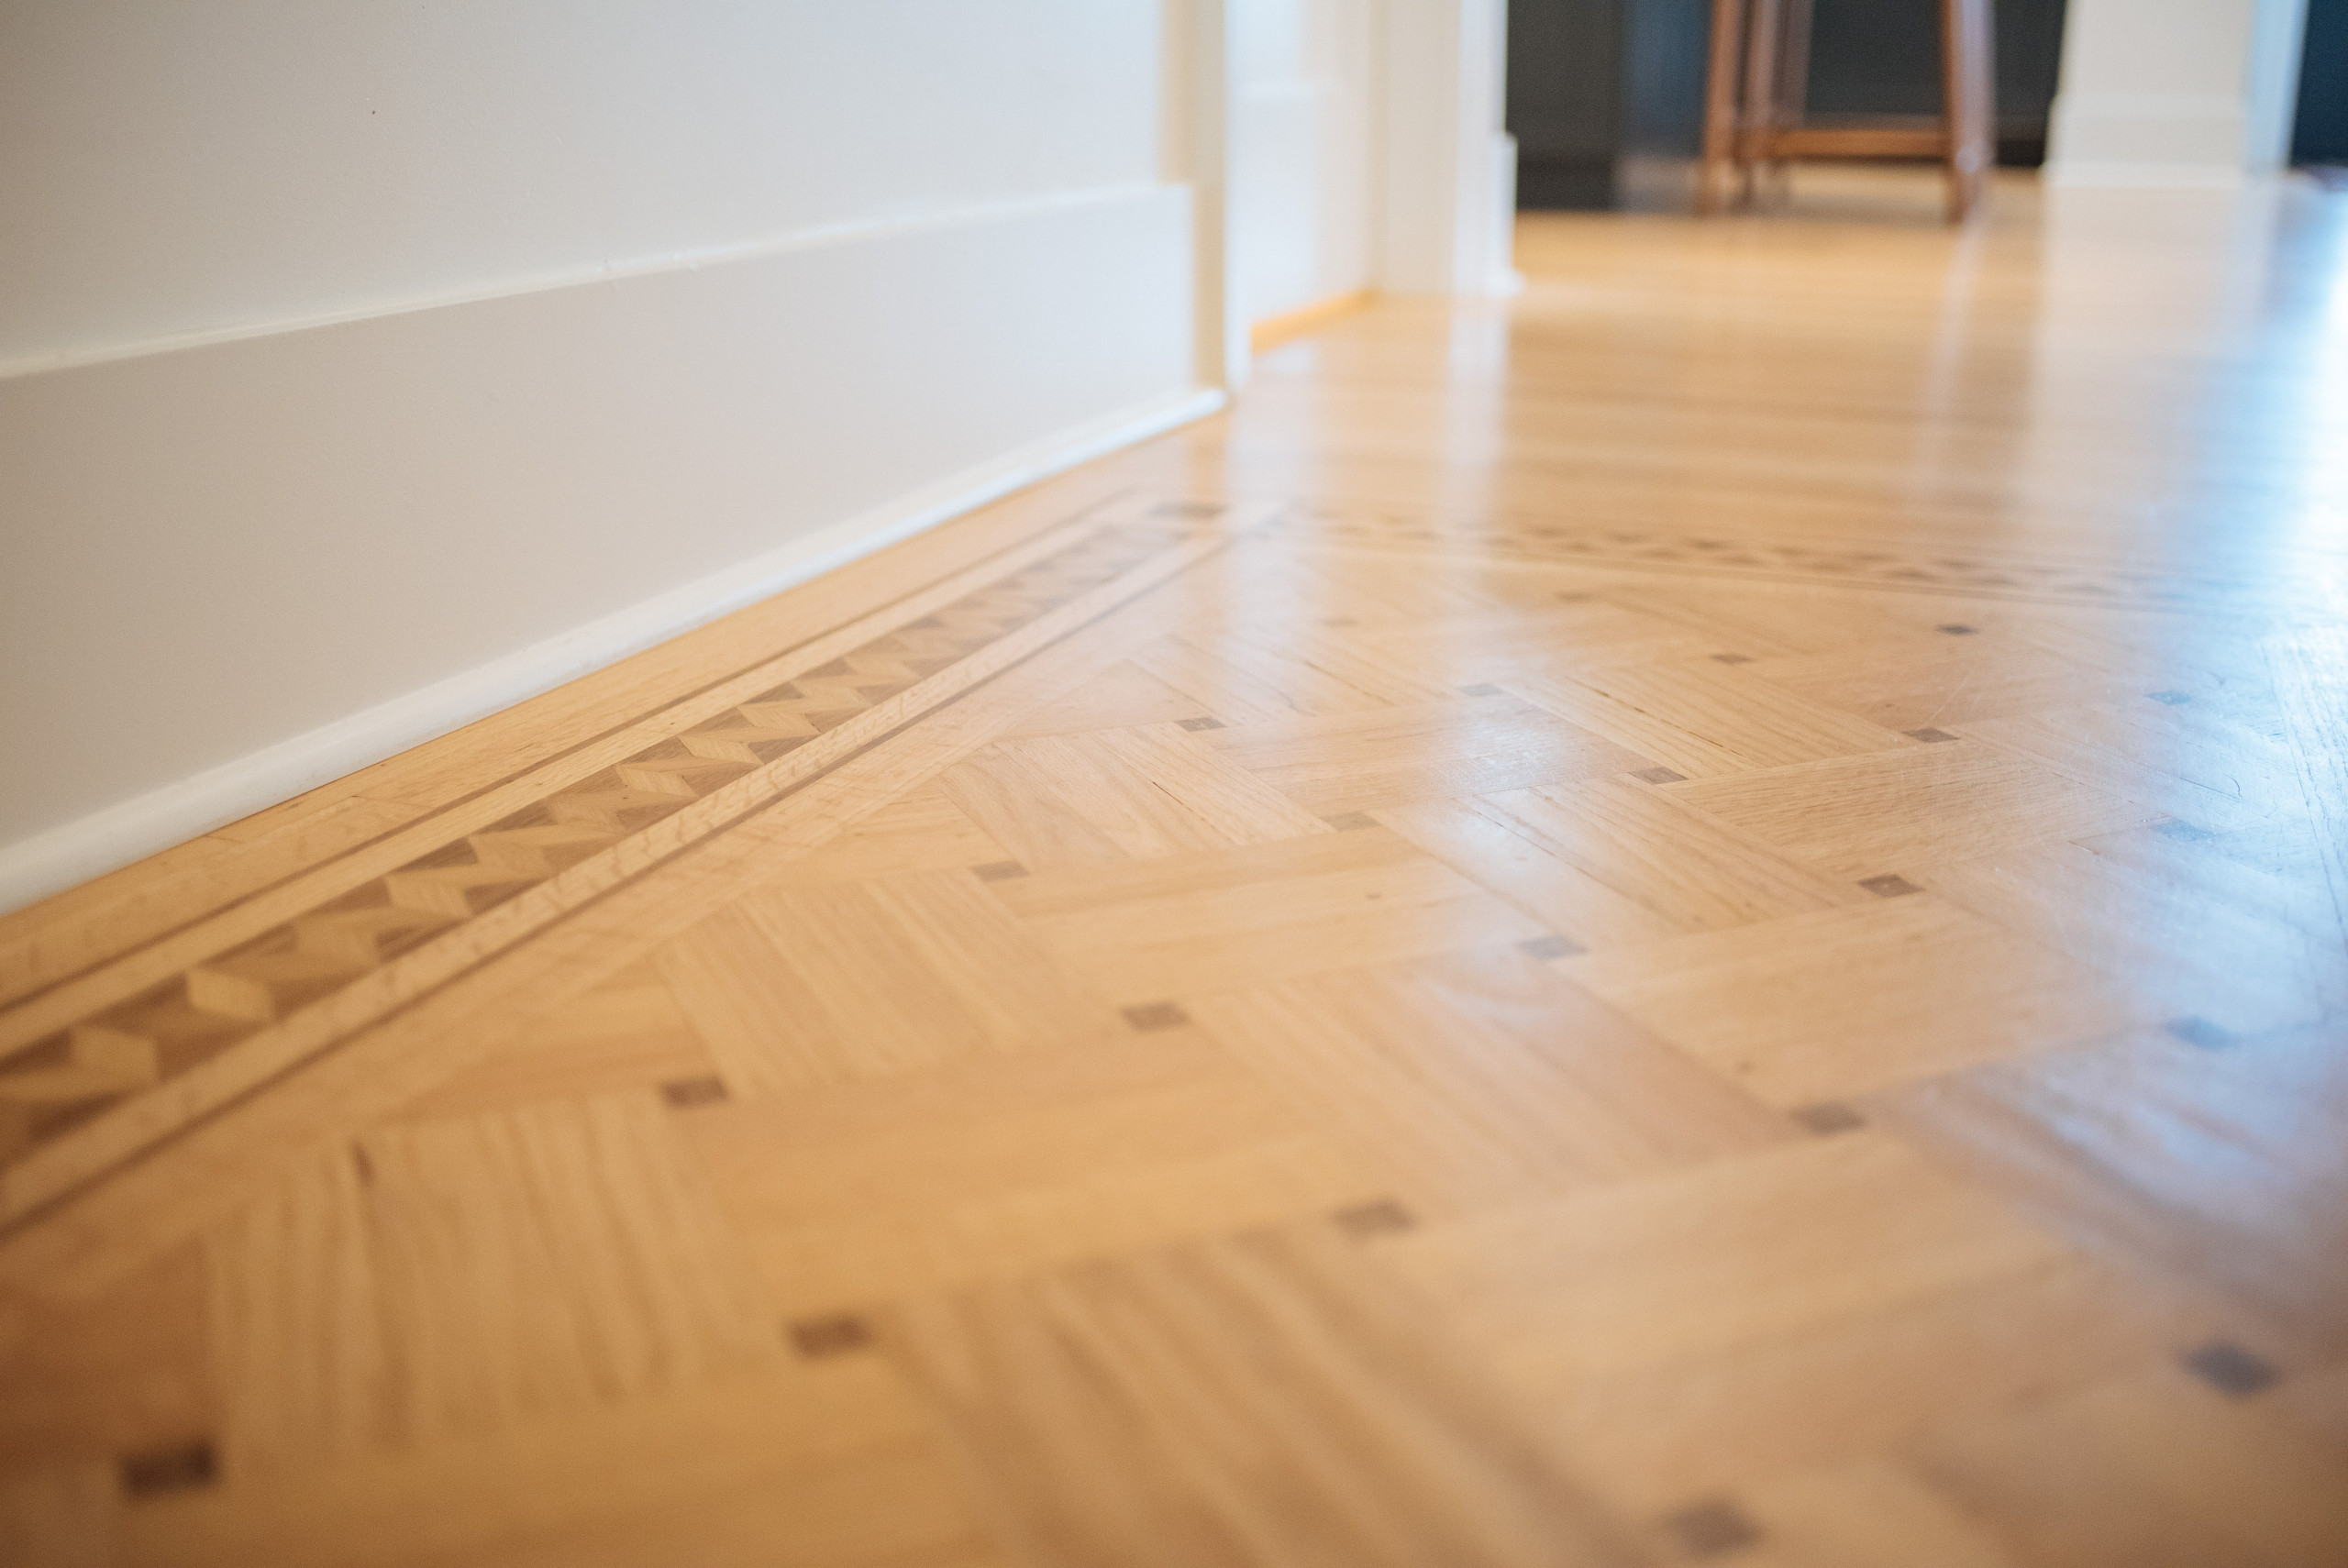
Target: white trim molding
48, 863
294, 553
2147, 140
809, 238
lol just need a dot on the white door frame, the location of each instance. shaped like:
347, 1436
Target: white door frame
1442, 181
1448, 175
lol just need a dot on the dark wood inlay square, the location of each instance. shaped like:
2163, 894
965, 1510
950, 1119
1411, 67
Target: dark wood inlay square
1732, 658
817, 1338
173, 1469
1955, 630
1889, 887
2229, 1369
1200, 723
1381, 1216
999, 871
1351, 821
1928, 736
1157, 1015
1660, 776
1829, 1118
1551, 947
684, 1093
1710, 1529
2201, 1032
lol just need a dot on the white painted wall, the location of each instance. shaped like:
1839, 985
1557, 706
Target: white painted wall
171, 168
370, 365
1305, 147
2174, 92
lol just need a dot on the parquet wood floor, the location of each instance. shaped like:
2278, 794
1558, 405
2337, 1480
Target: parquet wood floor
1695, 918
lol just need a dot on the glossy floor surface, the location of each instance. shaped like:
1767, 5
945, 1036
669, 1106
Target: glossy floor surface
1696, 917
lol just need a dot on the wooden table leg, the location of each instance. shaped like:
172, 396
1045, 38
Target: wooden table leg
1722, 123
1967, 71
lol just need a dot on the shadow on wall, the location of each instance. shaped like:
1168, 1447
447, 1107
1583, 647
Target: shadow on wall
1600, 92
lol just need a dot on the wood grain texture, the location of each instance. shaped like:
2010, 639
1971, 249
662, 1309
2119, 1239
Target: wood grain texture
462, 1276
285, 993
2199, 1161
1692, 918
1482, 1079
1250, 1400
825, 985
859, 1195
2154, 1469
1123, 793
782, 1467
1850, 999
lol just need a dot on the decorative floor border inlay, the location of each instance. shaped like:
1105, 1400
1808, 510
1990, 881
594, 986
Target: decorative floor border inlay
81, 1097
1846, 565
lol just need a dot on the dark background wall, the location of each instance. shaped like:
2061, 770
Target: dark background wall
2321, 133
1566, 99
1664, 43
1875, 57
1591, 81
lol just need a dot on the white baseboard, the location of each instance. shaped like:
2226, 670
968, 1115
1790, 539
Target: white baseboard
239, 569
105, 839
2145, 142
2116, 175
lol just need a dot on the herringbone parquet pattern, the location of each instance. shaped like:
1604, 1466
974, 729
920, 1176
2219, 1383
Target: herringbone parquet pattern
1749, 972
166, 1029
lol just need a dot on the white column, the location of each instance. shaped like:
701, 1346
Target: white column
1195, 132
2175, 92
1449, 191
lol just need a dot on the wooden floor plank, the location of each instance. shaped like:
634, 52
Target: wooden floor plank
807, 986
857, 1194
1479, 744
1697, 1262
1125, 793
2206, 1159
784, 1467
1252, 1400
2152, 1470
1865, 1516
1848, 1000
1480, 1078
1171, 929
460, 1277
1693, 916
1898, 811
